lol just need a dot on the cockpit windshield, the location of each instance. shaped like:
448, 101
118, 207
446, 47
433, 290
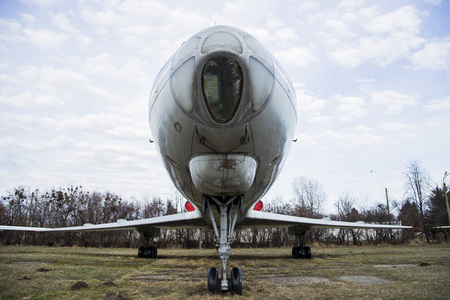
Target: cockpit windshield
222, 87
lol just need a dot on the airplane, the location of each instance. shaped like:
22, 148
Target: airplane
222, 113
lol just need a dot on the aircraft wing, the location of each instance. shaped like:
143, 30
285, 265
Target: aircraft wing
257, 219
183, 220
442, 227
252, 219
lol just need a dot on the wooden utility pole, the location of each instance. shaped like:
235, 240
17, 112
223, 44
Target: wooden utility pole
445, 195
30, 211
387, 202
389, 212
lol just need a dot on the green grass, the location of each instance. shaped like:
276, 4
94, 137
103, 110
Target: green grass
268, 273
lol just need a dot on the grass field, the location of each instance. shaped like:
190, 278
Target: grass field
385, 272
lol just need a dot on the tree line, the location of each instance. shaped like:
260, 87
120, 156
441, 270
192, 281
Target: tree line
423, 208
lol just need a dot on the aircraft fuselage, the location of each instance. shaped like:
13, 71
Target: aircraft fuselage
223, 113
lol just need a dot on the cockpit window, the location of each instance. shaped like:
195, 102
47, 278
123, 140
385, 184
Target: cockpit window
222, 87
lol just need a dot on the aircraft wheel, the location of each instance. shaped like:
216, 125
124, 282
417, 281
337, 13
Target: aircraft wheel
301, 252
295, 252
141, 252
148, 252
307, 250
236, 281
213, 280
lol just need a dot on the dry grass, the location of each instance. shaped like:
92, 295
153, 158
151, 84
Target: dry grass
268, 273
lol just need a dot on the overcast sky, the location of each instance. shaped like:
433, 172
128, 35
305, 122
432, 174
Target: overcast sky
372, 82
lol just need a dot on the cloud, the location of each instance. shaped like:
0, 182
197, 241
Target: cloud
138, 24
393, 126
435, 55
286, 33
29, 19
351, 3
45, 39
107, 64
63, 22
103, 19
305, 5
4, 79
363, 35
361, 135
29, 101
10, 30
366, 80
43, 3
63, 78
305, 139
64, 83
67, 85
434, 2
103, 63
394, 102
295, 57
19, 125
310, 106
406, 19
438, 105
351, 108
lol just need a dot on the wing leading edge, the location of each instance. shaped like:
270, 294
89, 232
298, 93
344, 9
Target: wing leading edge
252, 219
257, 219
183, 220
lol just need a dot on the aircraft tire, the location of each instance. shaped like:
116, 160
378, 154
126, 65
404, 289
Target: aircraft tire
154, 251
213, 280
141, 252
295, 252
236, 281
307, 251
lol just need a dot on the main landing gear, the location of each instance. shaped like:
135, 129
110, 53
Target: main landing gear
301, 251
228, 209
147, 250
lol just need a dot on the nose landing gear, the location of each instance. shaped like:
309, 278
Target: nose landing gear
234, 281
228, 210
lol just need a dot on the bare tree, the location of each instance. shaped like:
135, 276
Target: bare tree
344, 206
309, 197
154, 208
379, 214
418, 184
347, 212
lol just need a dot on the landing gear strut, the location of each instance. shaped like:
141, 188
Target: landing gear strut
228, 209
